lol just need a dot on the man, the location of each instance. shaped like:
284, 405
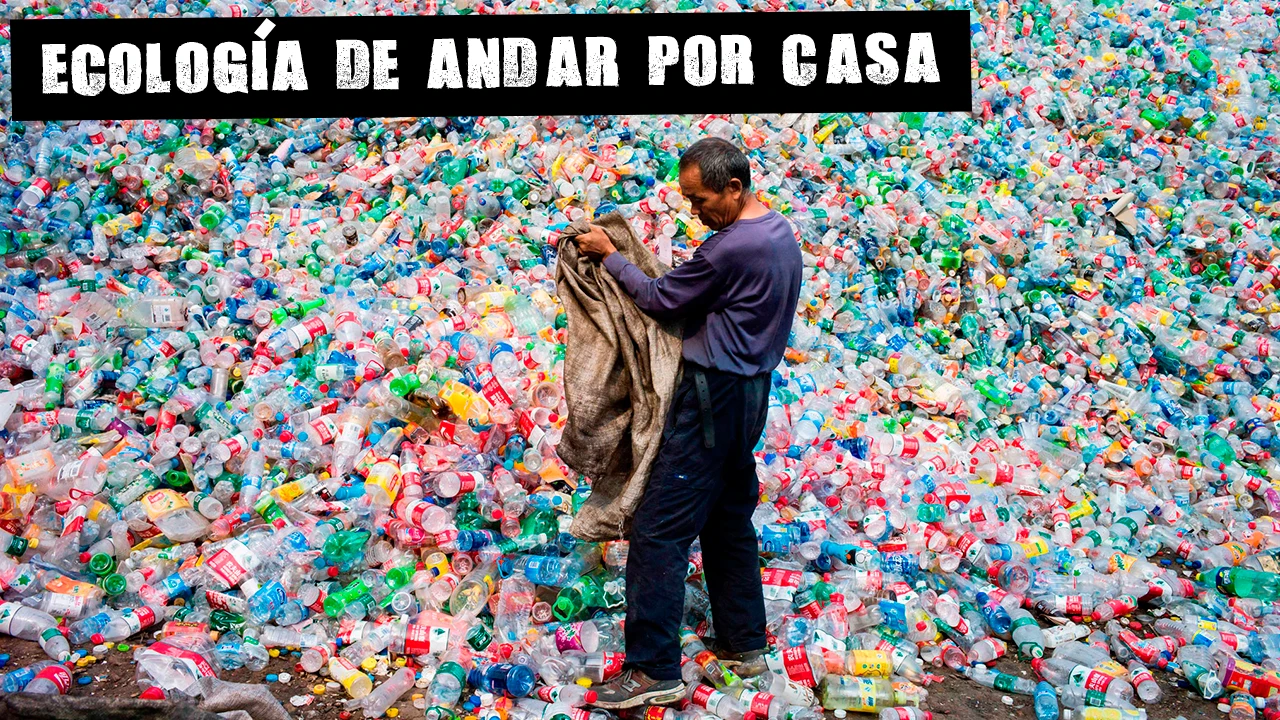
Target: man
737, 295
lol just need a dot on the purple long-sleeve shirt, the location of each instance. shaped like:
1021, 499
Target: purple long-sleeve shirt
737, 295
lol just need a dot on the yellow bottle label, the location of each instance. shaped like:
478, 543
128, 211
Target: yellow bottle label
386, 476
1035, 547
291, 491
870, 663
159, 503
1113, 668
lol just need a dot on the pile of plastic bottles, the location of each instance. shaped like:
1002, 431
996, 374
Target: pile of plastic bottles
293, 386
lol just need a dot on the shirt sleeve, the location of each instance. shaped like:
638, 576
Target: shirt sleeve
671, 295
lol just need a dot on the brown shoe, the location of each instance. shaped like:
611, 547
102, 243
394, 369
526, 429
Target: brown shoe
634, 688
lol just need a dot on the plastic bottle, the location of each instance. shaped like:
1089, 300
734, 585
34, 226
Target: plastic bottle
1000, 681
356, 683
445, 689
1144, 684
1046, 701
17, 679
376, 702
510, 679
1243, 582
53, 679
1063, 672
27, 623
843, 692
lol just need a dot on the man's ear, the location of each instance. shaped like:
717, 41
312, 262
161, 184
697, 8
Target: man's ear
734, 187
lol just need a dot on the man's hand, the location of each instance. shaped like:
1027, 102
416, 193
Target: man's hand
595, 244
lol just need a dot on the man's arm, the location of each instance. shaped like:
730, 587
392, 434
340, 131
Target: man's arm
671, 295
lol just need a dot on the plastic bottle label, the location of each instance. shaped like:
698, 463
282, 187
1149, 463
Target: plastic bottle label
159, 503
271, 595
314, 327
861, 695
140, 618
655, 712
177, 627
1250, 678
1069, 604
425, 640
970, 546
828, 641
757, 702
328, 372
223, 601
324, 428
350, 431
7, 611
1089, 679
1230, 639
611, 664
343, 671
346, 317
869, 663
1035, 547
161, 314
1185, 548
466, 482
707, 698
348, 630
780, 584
230, 564
1140, 674
491, 388
1095, 698
74, 521
1004, 682
74, 588
68, 605
24, 469
1112, 668
568, 637
795, 661
549, 693
48, 420
58, 675
1238, 552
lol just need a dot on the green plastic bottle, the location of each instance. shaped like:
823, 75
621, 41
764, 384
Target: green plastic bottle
1243, 582
1220, 448
574, 599
345, 547
1200, 61
336, 603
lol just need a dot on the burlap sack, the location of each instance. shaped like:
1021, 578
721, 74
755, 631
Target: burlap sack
620, 368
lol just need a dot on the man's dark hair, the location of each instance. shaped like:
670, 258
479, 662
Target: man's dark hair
718, 161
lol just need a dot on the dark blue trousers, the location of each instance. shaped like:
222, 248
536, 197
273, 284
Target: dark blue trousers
703, 485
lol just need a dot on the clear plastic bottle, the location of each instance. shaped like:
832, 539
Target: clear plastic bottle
385, 695
20, 621
53, 679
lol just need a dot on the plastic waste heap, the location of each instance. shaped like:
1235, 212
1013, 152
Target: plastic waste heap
292, 387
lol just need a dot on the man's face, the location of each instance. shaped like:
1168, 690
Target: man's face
716, 210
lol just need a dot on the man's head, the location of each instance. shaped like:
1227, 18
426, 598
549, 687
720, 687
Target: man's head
716, 177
